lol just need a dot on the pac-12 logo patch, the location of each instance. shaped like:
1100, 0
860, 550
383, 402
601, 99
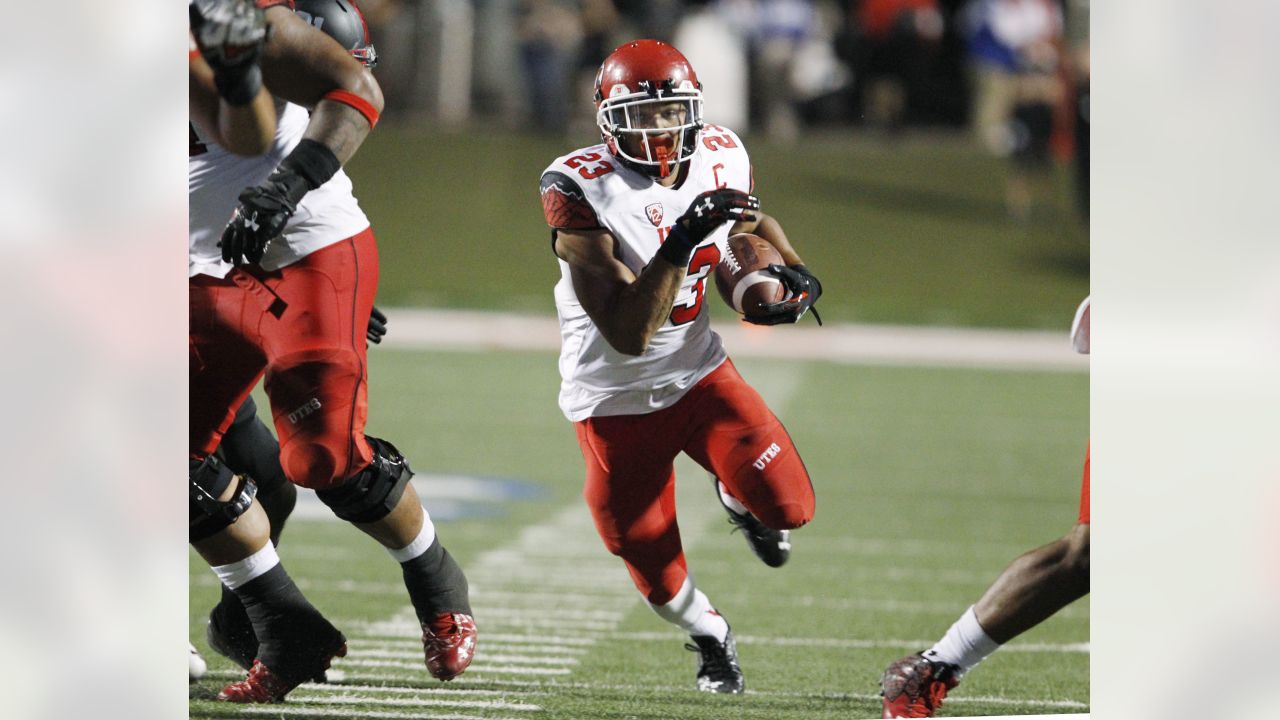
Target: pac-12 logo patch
654, 211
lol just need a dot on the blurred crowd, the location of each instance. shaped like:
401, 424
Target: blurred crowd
1015, 72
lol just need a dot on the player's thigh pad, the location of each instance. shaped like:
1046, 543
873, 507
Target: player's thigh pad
743, 443
629, 479
316, 372
319, 407
224, 361
630, 490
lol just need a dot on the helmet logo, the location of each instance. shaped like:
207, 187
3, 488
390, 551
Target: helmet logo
654, 211
618, 89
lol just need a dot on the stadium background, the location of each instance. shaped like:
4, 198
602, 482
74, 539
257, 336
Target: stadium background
930, 477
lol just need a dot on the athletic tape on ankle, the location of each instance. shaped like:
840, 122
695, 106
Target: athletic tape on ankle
420, 544
238, 574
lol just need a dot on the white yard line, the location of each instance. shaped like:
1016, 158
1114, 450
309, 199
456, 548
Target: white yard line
848, 643
468, 330
351, 699
480, 666
551, 685
516, 658
279, 711
491, 646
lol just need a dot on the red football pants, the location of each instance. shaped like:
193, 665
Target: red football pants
1083, 518
304, 325
725, 426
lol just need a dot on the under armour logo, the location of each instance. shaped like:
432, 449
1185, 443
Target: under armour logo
706, 205
251, 222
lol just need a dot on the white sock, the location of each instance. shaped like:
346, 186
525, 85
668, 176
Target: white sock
730, 501
235, 575
420, 544
691, 611
966, 644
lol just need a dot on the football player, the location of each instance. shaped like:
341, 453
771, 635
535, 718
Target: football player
287, 288
228, 525
1033, 587
638, 223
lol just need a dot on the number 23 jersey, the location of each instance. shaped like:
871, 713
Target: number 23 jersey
589, 189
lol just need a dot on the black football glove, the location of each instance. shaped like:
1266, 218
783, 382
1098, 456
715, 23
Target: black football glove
803, 290
714, 208
264, 210
705, 215
260, 217
230, 35
377, 326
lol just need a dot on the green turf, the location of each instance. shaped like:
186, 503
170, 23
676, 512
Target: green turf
929, 482
913, 232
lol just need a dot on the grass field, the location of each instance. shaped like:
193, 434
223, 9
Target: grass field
929, 482
913, 232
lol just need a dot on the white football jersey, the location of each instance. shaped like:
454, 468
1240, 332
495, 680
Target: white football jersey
215, 178
597, 380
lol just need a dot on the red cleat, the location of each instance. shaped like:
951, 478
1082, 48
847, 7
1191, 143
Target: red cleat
914, 687
264, 686
449, 642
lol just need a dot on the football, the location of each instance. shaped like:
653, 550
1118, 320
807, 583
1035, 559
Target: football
741, 277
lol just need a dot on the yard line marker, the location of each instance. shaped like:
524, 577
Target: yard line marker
539, 612
479, 666
482, 654
352, 699
415, 647
668, 689
279, 711
850, 643
888, 605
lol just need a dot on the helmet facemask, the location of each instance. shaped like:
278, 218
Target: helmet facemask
652, 130
367, 55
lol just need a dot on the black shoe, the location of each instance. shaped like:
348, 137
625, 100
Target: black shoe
230, 633
718, 670
773, 547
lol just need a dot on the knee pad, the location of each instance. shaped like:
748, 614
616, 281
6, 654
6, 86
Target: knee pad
375, 491
209, 480
313, 463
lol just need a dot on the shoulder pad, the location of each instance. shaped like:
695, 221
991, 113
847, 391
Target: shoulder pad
564, 205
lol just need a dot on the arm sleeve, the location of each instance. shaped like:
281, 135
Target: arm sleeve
564, 205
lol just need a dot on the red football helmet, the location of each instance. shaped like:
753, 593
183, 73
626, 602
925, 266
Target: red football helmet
648, 106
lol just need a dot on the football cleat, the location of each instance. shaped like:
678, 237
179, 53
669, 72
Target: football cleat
449, 643
773, 547
915, 686
231, 635
718, 669
265, 686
